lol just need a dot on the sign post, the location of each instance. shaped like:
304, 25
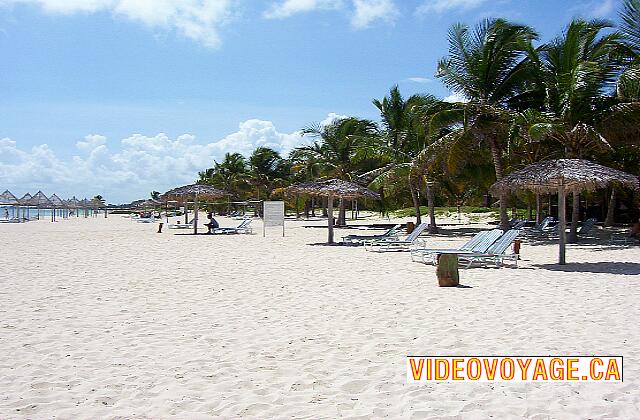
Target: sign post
272, 215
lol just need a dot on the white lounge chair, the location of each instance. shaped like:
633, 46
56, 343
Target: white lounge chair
479, 243
244, 227
394, 244
496, 254
179, 225
358, 239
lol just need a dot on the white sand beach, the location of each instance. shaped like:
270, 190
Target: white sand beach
105, 318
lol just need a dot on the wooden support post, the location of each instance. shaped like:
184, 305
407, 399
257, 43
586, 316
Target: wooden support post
562, 218
330, 217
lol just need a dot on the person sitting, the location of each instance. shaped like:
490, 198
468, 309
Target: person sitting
212, 225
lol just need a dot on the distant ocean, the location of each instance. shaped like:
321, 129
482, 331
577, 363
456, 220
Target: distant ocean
10, 212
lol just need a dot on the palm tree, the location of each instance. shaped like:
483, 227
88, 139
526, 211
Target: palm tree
229, 175
155, 195
339, 149
404, 138
490, 67
579, 68
266, 167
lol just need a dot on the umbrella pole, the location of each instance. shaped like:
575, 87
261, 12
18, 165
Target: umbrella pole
195, 216
330, 216
562, 216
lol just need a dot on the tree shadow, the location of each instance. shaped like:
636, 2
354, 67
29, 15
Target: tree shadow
617, 268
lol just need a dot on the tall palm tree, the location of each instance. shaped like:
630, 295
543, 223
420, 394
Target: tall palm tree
579, 69
404, 137
338, 148
490, 67
266, 167
230, 175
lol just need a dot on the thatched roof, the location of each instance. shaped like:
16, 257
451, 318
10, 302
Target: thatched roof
25, 200
56, 201
84, 203
335, 187
8, 199
40, 200
575, 174
73, 202
188, 191
96, 204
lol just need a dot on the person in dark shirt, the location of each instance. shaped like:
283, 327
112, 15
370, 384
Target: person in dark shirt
212, 225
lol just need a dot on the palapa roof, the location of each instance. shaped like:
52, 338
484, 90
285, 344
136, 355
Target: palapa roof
56, 201
73, 202
40, 200
194, 189
6, 198
96, 204
575, 174
335, 187
84, 203
26, 199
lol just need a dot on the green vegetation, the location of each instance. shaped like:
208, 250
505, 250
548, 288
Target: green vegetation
522, 100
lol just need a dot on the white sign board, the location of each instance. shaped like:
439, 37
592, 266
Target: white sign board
272, 215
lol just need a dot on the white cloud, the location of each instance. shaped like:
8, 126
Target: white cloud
456, 97
138, 165
331, 117
595, 9
198, 20
363, 12
440, 6
368, 11
422, 80
288, 8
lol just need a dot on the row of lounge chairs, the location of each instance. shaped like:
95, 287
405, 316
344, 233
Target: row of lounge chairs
243, 228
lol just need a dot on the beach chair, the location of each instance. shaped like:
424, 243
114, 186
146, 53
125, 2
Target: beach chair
181, 225
358, 239
382, 245
587, 227
244, 227
545, 226
496, 254
479, 243
146, 219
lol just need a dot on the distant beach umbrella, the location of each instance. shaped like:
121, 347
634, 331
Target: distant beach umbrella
332, 188
563, 176
57, 203
193, 192
8, 199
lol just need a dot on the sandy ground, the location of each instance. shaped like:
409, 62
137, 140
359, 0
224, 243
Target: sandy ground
106, 318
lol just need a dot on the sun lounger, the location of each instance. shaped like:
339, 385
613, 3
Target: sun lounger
496, 254
544, 227
358, 239
394, 244
479, 243
587, 227
244, 227
146, 220
181, 225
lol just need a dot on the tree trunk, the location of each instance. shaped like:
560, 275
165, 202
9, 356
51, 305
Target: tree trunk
433, 228
538, 209
313, 207
497, 163
297, 206
575, 215
416, 201
611, 210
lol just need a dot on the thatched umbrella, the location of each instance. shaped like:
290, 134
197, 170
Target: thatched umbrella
193, 192
41, 201
74, 203
332, 188
57, 203
563, 176
25, 201
8, 199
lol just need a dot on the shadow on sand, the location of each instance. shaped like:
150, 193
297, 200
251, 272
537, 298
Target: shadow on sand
618, 268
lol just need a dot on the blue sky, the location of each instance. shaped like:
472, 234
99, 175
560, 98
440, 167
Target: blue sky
121, 97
